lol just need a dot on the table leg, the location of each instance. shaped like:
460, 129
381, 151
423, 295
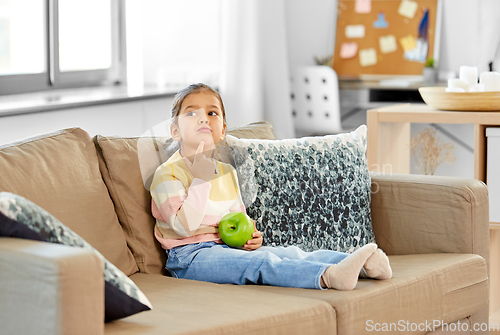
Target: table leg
389, 147
372, 145
480, 152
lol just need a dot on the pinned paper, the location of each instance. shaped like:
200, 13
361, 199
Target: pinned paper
419, 52
363, 6
388, 44
348, 50
423, 27
408, 8
381, 22
408, 43
367, 57
355, 31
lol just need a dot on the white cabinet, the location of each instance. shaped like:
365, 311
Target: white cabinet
493, 172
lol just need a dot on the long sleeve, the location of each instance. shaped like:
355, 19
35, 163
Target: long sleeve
182, 210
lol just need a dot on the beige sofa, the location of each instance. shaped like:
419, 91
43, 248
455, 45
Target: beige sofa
434, 229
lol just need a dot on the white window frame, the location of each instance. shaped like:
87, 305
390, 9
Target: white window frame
53, 78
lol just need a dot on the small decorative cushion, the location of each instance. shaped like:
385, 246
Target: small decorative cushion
22, 218
311, 192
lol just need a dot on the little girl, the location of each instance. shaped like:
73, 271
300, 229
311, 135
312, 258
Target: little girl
191, 193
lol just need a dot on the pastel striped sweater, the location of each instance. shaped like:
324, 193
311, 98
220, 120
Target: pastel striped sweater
187, 209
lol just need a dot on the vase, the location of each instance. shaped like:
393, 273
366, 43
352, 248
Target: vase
430, 75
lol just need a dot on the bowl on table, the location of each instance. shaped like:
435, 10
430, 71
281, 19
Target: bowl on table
438, 98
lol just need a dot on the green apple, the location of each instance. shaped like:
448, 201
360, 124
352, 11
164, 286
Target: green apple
235, 229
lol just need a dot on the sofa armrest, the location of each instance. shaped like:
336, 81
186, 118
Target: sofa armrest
416, 214
48, 288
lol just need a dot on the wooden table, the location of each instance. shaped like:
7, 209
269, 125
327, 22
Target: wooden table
389, 134
389, 151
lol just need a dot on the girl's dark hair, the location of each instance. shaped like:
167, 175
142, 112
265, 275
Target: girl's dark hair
194, 88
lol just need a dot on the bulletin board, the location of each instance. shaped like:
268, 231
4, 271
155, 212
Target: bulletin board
385, 37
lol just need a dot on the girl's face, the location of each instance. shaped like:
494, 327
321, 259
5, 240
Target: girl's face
200, 119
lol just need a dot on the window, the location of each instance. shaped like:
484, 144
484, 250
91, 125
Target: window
181, 42
50, 44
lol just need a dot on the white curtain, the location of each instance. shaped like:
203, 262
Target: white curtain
254, 82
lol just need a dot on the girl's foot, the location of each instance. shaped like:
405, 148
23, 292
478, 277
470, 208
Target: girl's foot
377, 266
344, 275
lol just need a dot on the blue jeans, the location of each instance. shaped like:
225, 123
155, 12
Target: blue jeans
277, 266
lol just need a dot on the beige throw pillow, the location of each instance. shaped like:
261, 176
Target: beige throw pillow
60, 173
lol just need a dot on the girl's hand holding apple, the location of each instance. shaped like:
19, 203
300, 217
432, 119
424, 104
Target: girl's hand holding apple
255, 243
237, 230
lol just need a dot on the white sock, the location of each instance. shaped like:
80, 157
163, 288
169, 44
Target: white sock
344, 275
377, 266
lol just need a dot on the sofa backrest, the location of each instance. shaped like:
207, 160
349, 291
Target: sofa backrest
121, 171
60, 172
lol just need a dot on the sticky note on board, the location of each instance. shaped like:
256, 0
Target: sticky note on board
348, 50
363, 6
387, 44
407, 8
381, 22
367, 57
355, 31
408, 43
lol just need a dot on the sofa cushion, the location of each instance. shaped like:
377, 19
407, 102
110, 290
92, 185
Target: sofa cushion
120, 170
60, 173
424, 288
312, 192
262, 130
193, 307
21, 218
128, 178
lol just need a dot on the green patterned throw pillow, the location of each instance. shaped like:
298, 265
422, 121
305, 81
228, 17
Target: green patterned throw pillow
311, 192
22, 218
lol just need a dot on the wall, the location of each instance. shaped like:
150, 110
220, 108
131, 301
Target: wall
122, 119
471, 31
311, 30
